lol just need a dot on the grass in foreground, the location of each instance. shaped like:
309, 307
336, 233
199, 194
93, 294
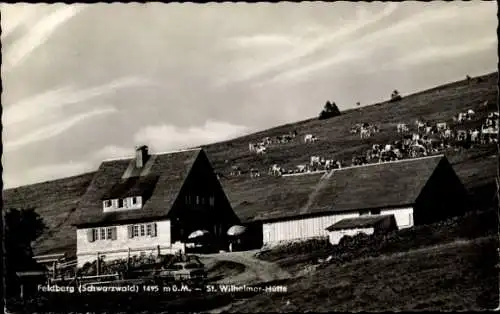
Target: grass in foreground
456, 276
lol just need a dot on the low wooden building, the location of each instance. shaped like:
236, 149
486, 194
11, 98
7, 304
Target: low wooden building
145, 204
377, 224
416, 191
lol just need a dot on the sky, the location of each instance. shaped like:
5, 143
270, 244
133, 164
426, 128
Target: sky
88, 82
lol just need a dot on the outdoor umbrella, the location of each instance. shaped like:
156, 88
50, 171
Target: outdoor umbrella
236, 230
198, 234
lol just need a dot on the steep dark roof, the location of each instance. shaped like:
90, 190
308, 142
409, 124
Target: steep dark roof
263, 197
163, 173
348, 189
134, 186
360, 222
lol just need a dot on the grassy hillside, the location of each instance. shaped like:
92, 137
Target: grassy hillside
455, 276
335, 141
55, 201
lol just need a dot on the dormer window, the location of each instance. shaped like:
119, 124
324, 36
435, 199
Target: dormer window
127, 203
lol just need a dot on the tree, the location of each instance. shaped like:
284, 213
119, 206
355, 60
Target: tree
329, 110
395, 96
22, 227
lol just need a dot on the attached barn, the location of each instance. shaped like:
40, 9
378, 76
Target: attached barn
416, 191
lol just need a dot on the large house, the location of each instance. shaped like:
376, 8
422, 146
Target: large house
146, 204
416, 191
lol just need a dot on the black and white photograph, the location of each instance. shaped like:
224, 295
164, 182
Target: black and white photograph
250, 157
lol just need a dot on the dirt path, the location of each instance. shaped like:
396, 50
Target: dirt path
256, 271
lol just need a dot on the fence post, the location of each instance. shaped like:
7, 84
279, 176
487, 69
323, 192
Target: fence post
98, 264
159, 250
128, 259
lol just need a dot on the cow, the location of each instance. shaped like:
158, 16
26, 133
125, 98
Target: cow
470, 112
462, 116
365, 133
441, 126
475, 136
448, 133
275, 170
254, 173
402, 128
461, 135
428, 129
415, 137
308, 138
251, 147
235, 171
315, 160
420, 125
301, 168
266, 141
388, 147
261, 150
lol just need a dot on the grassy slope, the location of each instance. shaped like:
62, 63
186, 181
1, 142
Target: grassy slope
56, 200
335, 140
454, 276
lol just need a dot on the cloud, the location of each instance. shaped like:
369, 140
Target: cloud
439, 53
46, 173
309, 47
38, 105
260, 40
112, 151
168, 137
55, 129
412, 27
38, 34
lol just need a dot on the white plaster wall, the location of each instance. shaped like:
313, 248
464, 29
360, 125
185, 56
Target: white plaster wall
301, 228
336, 235
86, 251
403, 216
307, 228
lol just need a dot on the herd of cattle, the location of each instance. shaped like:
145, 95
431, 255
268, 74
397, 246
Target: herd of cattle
425, 139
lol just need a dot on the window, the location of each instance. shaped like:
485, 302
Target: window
134, 201
197, 200
364, 212
149, 229
109, 234
108, 203
103, 234
212, 201
136, 230
143, 231
375, 211
120, 203
96, 233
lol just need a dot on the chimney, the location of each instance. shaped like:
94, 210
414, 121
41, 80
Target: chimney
141, 156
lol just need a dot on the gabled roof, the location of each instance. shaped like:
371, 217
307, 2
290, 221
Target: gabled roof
269, 197
133, 186
163, 176
360, 222
382, 185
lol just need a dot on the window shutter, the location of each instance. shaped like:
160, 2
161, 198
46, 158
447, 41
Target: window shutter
130, 231
90, 235
113, 233
153, 230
